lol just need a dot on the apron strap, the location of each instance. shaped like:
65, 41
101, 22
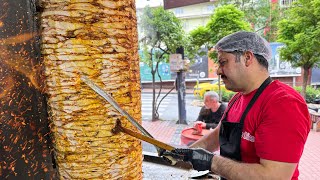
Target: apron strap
234, 99
255, 97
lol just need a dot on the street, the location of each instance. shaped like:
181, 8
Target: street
168, 110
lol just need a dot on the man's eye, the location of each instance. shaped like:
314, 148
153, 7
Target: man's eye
222, 63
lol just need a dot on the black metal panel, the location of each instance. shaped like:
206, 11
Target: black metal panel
25, 151
315, 76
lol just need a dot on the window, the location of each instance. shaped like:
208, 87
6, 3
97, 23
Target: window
178, 11
286, 3
185, 25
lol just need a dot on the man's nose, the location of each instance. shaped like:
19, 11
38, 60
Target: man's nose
219, 71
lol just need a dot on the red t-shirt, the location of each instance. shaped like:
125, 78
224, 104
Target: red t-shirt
276, 127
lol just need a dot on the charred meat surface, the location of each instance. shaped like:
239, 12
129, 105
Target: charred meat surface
97, 38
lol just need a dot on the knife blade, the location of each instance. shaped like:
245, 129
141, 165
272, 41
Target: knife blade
109, 99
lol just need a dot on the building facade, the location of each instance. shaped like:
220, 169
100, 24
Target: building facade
193, 13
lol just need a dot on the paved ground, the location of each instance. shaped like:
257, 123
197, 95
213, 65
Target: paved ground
310, 160
169, 132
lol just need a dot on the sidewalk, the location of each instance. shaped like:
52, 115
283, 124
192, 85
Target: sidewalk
169, 132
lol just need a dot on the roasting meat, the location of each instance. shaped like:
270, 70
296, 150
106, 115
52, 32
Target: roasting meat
99, 39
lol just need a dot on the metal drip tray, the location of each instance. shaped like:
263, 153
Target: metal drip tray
155, 168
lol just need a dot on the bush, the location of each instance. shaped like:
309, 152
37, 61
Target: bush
311, 93
226, 95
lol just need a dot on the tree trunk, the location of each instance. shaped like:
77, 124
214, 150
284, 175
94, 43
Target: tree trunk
154, 71
154, 117
97, 39
305, 81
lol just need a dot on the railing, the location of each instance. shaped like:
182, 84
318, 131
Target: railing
315, 120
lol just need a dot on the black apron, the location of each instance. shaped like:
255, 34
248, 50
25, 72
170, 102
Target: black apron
231, 132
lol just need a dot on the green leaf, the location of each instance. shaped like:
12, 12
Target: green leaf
300, 33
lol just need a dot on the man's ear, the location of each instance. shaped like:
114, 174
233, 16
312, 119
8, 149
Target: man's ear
248, 58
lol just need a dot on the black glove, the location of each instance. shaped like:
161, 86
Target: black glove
171, 158
200, 159
160, 151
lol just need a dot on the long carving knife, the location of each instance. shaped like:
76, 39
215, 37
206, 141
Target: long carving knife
109, 99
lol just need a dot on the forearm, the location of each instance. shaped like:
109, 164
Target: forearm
230, 169
201, 143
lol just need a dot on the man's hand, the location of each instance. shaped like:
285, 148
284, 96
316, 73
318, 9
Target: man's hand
200, 159
171, 158
203, 124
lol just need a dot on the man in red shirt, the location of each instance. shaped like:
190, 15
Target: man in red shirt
266, 124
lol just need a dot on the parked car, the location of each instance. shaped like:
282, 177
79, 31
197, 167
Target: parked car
201, 88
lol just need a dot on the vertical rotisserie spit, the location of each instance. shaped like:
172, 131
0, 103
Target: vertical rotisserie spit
99, 39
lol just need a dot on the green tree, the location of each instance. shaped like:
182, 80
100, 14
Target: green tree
197, 38
263, 15
224, 21
276, 15
162, 35
300, 32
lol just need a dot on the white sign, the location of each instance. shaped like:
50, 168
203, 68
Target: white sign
202, 74
176, 62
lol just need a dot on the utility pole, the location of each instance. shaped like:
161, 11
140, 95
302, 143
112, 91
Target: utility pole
181, 88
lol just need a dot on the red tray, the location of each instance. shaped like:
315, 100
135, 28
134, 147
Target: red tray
187, 136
